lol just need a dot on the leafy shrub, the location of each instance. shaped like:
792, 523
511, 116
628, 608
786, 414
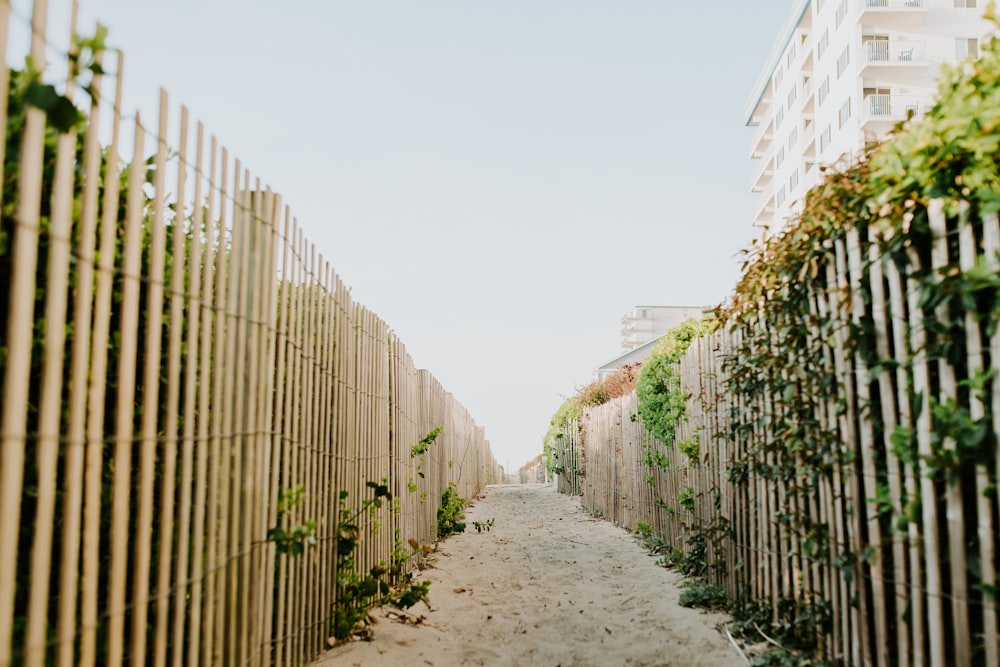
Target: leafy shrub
619, 383
566, 417
952, 151
450, 516
700, 593
661, 400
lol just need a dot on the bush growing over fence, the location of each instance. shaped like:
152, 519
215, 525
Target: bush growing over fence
661, 400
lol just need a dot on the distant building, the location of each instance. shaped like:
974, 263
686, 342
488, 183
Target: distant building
634, 356
641, 328
841, 74
646, 323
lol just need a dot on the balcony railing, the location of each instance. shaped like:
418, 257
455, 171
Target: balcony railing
763, 212
885, 52
894, 108
762, 174
761, 139
895, 4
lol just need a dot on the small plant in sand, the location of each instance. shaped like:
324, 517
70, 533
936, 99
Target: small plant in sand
451, 514
700, 593
482, 526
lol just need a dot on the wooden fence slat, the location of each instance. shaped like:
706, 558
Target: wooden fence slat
20, 321
81, 362
201, 549
50, 393
96, 390
194, 367
911, 472
954, 513
867, 443
928, 492
178, 269
887, 401
124, 417
215, 556
991, 258
150, 396
975, 358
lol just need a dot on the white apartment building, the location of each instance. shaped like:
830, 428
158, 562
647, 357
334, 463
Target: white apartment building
841, 74
645, 323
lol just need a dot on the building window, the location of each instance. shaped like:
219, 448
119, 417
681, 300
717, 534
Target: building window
779, 74
793, 181
823, 43
779, 116
819, 5
824, 139
791, 96
824, 90
969, 4
841, 12
780, 197
843, 61
791, 56
966, 47
793, 138
845, 113
780, 157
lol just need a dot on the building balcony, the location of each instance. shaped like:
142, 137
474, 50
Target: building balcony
891, 13
896, 59
895, 4
763, 214
762, 175
761, 140
809, 147
884, 111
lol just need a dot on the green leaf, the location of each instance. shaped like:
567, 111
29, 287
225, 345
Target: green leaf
40, 95
60, 111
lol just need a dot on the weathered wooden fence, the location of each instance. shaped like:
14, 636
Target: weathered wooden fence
857, 493
534, 472
172, 364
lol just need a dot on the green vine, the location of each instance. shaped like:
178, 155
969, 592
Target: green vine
391, 584
292, 539
658, 387
420, 449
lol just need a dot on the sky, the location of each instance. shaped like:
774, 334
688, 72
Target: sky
499, 180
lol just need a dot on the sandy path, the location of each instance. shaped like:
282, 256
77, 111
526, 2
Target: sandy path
548, 585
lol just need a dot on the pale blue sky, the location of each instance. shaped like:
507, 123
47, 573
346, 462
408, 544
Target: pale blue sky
499, 180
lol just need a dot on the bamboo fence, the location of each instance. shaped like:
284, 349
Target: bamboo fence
176, 357
891, 543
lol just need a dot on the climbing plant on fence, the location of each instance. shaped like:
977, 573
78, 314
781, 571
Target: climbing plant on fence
661, 397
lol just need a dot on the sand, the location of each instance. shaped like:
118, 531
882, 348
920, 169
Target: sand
547, 585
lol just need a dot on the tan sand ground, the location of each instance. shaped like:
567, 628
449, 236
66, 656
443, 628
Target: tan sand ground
548, 585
